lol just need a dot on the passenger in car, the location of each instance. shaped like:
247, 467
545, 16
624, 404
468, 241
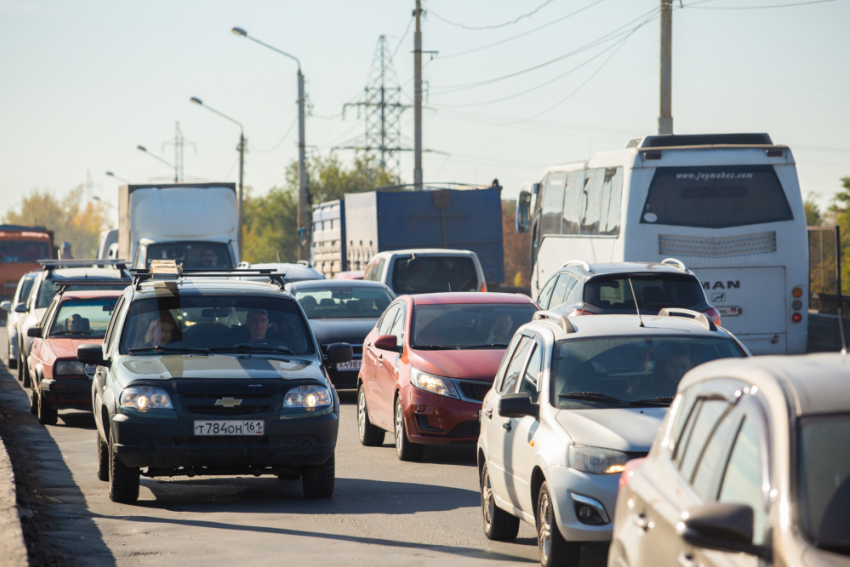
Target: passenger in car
74, 324
160, 331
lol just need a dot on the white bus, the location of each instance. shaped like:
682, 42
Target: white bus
728, 205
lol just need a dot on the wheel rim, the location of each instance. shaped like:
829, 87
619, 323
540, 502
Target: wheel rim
399, 427
544, 528
487, 500
361, 413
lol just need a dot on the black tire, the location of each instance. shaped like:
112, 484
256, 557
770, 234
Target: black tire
498, 524
46, 414
23, 376
370, 435
317, 481
13, 362
554, 549
404, 449
34, 401
102, 459
123, 480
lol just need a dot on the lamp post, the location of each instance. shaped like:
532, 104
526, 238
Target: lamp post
119, 178
305, 221
156, 157
241, 149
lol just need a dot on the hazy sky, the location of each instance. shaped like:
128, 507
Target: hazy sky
83, 83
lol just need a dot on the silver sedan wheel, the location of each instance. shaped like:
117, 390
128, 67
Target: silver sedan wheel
361, 414
544, 528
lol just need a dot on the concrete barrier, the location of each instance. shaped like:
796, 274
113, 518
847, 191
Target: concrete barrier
823, 332
13, 551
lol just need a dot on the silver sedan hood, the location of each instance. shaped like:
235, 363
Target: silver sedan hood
622, 429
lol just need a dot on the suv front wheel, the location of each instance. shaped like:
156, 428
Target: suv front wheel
498, 524
317, 481
554, 549
123, 480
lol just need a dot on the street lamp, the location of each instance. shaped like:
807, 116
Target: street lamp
241, 149
119, 178
107, 203
305, 221
156, 157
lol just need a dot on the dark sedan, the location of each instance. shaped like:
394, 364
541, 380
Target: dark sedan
342, 310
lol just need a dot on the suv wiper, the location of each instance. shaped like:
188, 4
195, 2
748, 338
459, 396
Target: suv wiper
595, 396
161, 349
247, 347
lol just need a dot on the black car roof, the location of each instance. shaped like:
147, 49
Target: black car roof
188, 286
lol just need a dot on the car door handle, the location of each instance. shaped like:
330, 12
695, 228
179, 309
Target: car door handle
641, 522
381, 356
507, 426
687, 560
489, 413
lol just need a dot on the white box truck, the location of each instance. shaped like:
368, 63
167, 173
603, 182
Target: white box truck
195, 224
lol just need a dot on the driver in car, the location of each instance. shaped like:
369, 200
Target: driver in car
258, 325
74, 324
502, 331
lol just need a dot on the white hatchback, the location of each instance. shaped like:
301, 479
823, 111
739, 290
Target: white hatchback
427, 270
572, 402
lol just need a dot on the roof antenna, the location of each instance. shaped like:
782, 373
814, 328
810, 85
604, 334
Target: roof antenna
841, 327
636, 303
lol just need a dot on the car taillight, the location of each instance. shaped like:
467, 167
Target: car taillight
483, 287
629, 471
713, 314
577, 312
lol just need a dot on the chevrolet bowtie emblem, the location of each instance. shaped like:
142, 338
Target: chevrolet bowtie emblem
228, 402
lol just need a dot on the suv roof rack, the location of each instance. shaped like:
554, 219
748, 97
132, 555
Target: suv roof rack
63, 287
675, 263
50, 264
142, 275
695, 316
561, 321
581, 263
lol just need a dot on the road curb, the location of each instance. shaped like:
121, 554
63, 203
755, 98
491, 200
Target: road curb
13, 551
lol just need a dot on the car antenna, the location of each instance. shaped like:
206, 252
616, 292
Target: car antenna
636, 303
841, 327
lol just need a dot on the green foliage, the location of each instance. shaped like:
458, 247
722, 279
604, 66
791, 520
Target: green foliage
841, 209
814, 217
71, 220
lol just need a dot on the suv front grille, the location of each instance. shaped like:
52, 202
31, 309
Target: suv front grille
237, 410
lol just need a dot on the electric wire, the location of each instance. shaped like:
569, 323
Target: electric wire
493, 27
406, 31
276, 146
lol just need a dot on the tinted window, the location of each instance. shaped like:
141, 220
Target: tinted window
434, 274
500, 374
653, 292
468, 325
704, 419
48, 290
343, 302
713, 456
743, 479
572, 196
193, 255
82, 318
23, 251
591, 202
528, 384
631, 368
26, 288
388, 319
612, 194
398, 326
715, 197
515, 367
573, 292
553, 202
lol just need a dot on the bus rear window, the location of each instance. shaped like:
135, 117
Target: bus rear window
715, 197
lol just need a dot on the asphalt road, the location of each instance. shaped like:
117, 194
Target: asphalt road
384, 511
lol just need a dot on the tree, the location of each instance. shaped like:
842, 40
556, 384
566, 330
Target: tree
70, 219
814, 217
840, 208
517, 249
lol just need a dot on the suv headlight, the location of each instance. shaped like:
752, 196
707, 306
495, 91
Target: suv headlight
69, 368
434, 384
144, 398
307, 397
595, 460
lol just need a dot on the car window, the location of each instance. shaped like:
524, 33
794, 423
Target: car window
398, 326
500, 374
591, 201
45, 319
24, 291
110, 330
560, 291
531, 376
515, 367
388, 319
743, 479
192, 255
343, 302
714, 454
682, 412
543, 296
701, 424
82, 317
434, 274
573, 292
468, 326
653, 292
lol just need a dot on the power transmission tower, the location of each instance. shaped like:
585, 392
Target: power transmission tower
178, 143
383, 108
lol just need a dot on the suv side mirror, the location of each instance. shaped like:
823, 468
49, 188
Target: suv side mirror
21, 308
339, 352
6, 306
523, 212
91, 354
387, 342
34, 332
518, 405
722, 526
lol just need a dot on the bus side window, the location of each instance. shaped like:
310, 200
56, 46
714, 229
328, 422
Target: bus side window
612, 194
553, 202
590, 202
572, 196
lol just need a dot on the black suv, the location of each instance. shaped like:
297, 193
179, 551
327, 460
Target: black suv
579, 288
200, 375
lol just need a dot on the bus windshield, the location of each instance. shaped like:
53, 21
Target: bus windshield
715, 197
23, 251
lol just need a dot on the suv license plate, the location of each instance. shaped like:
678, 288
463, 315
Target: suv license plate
252, 427
350, 365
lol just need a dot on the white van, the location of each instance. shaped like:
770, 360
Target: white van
729, 205
426, 270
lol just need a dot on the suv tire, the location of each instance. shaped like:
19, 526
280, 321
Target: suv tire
102, 459
46, 414
404, 449
553, 548
13, 362
123, 481
498, 524
23, 375
317, 481
370, 435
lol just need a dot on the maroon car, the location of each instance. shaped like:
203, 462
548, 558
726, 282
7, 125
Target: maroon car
428, 364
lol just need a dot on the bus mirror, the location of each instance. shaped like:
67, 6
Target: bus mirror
523, 212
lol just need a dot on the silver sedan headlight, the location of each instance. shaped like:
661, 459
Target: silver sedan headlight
434, 384
595, 460
69, 368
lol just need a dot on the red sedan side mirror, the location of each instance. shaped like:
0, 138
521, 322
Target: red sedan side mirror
387, 342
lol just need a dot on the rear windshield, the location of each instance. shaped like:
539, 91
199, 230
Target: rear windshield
83, 318
223, 323
617, 371
715, 197
434, 274
193, 255
48, 290
23, 251
344, 302
653, 292
467, 326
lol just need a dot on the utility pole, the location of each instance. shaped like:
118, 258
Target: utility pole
665, 117
241, 188
417, 98
305, 213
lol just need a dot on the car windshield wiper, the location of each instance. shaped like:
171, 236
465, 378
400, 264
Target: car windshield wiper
162, 349
662, 400
592, 396
249, 347
64, 333
480, 347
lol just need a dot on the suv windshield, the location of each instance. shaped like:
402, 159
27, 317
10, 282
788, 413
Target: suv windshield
344, 302
468, 326
824, 477
222, 323
434, 274
193, 255
653, 292
629, 369
48, 290
83, 318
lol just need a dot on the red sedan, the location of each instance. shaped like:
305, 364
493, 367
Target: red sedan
58, 380
428, 364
